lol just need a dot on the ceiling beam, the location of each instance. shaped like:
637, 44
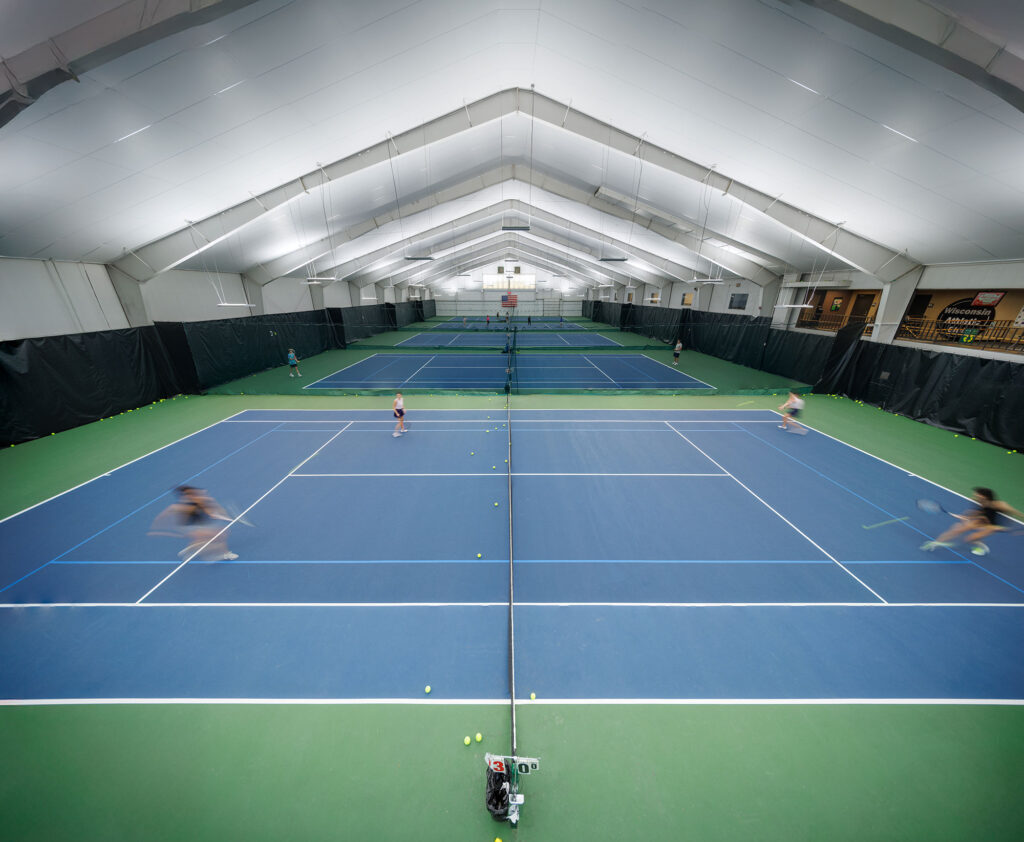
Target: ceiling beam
161, 255
497, 248
469, 227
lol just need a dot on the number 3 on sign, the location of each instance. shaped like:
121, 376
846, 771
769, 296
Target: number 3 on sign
497, 765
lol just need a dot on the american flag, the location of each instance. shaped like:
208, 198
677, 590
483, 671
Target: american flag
509, 300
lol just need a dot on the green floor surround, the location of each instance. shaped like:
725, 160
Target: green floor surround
609, 772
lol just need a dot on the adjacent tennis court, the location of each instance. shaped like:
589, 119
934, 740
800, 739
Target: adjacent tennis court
759, 564
491, 371
541, 338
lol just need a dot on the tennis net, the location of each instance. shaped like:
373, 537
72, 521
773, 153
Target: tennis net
504, 800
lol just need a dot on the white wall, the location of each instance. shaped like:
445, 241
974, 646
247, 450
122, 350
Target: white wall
338, 295
974, 276
286, 295
50, 298
179, 296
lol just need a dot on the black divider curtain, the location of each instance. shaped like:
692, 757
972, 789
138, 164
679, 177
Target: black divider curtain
362, 322
975, 396
54, 383
800, 356
751, 341
660, 323
407, 312
588, 310
429, 308
226, 349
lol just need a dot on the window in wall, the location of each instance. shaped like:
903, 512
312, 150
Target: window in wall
687, 299
738, 301
509, 282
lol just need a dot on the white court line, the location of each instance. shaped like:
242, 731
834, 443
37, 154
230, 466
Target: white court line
422, 421
515, 474
504, 604
763, 502
544, 409
350, 365
503, 702
242, 514
585, 357
880, 459
418, 370
126, 464
679, 371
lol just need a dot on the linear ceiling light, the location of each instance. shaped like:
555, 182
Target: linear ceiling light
613, 259
515, 227
419, 257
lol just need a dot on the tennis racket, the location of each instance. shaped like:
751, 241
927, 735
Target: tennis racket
932, 507
233, 513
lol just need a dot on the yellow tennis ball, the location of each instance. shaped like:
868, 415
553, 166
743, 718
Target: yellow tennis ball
426, 689
479, 555
1006, 451
467, 741
533, 696
479, 736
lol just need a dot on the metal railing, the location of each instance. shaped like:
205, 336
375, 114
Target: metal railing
995, 336
827, 321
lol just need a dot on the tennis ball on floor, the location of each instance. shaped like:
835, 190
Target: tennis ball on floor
497, 503
467, 740
426, 689
533, 696
472, 453
493, 467
479, 555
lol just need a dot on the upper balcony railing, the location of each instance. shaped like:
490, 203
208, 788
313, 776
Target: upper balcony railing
994, 336
827, 321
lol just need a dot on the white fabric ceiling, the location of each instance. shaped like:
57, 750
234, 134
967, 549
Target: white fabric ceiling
777, 97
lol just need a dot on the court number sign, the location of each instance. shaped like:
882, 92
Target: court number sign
964, 318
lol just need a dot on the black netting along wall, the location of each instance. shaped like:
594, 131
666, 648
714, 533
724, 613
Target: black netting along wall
226, 349
429, 308
751, 341
661, 323
54, 383
407, 312
975, 396
365, 321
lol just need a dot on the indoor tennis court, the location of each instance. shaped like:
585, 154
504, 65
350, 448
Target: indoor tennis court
829, 544
473, 421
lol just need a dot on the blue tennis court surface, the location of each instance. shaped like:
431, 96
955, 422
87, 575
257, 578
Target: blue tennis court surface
521, 323
670, 555
488, 371
496, 339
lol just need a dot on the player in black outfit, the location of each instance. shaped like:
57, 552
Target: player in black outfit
981, 521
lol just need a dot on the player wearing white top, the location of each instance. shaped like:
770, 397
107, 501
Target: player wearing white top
792, 408
398, 409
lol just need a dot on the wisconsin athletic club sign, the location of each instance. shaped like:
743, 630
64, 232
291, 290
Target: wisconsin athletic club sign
968, 314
